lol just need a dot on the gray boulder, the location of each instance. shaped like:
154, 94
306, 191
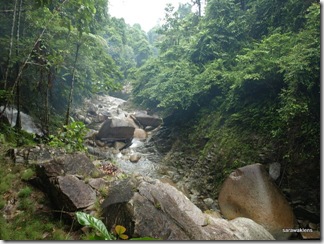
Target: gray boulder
60, 179
148, 207
116, 129
70, 193
69, 164
147, 120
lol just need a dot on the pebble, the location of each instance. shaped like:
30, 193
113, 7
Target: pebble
134, 158
208, 201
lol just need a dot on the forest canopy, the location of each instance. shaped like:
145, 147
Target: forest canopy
248, 66
246, 75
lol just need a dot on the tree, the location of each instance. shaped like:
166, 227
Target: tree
38, 65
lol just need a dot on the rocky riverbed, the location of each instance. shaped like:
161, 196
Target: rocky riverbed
126, 142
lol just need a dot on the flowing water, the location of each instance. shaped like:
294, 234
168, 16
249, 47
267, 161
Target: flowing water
150, 158
27, 122
148, 163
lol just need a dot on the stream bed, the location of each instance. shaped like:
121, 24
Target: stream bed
94, 114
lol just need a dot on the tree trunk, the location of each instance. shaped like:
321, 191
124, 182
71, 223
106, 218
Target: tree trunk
72, 84
9, 55
47, 110
10, 45
18, 120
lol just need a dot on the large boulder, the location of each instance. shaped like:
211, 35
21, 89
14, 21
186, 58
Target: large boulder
70, 193
61, 178
250, 192
140, 134
147, 120
69, 164
116, 129
148, 207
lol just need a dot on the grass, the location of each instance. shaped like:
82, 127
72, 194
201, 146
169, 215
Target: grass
24, 210
27, 174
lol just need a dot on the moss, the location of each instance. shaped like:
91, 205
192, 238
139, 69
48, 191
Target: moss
25, 192
28, 174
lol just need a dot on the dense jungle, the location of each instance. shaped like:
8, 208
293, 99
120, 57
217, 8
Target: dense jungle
227, 85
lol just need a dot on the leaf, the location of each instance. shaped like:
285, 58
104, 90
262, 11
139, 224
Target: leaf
88, 220
123, 236
120, 230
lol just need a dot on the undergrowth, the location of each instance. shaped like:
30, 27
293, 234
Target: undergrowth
24, 211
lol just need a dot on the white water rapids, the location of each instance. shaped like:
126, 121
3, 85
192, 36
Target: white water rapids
149, 162
27, 122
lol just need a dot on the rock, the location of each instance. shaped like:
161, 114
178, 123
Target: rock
314, 235
27, 122
97, 184
80, 117
209, 202
313, 226
119, 145
250, 230
147, 120
19, 159
302, 212
116, 129
100, 143
303, 223
101, 118
134, 158
59, 178
148, 207
140, 134
92, 110
214, 214
180, 187
87, 121
149, 128
250, 192
70, 193
274, 170
72, 164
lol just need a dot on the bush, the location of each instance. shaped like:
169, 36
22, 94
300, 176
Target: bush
71, 137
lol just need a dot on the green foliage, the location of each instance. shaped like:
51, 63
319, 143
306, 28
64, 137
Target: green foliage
71, 137
11, 136
45, 54
97, 224
249, 76
25, 192
28, 174
25, 218
171, 85
5, 182
101, 230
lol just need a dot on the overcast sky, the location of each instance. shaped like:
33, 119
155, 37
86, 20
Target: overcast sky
147, 13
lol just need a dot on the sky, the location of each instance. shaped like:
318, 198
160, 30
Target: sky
147, 13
